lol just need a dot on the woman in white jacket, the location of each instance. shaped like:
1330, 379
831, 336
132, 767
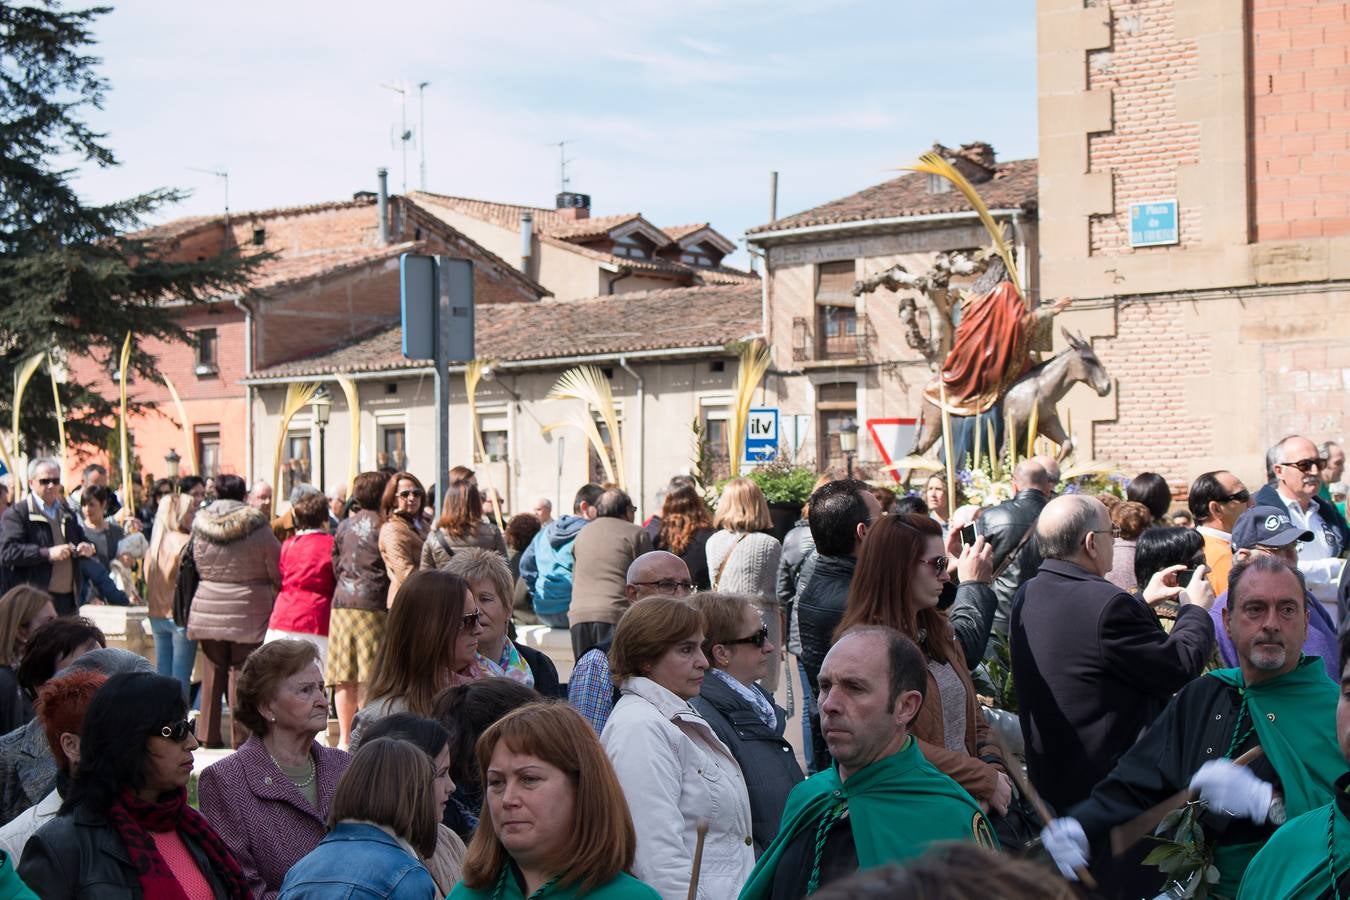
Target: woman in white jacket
674, 771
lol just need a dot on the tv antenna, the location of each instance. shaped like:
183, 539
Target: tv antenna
224, 175
422, 129
404, 135
563, 180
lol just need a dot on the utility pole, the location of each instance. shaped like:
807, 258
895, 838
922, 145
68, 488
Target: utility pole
422, 130
404, 135
224, 175
563, 180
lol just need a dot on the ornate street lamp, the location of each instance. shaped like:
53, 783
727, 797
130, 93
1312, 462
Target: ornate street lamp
171, 461
848, 441
320, 406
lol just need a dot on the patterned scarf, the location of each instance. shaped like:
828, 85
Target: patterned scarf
134, 819
511, 665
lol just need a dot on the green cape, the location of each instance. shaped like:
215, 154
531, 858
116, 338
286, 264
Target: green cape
624, 887
897, 806
1293, 864
11, 887
1295, 719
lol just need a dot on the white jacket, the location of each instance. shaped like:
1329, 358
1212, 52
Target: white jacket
675, 772
14, 836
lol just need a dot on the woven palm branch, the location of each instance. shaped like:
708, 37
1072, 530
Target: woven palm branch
589, 385
1033, 428
582, 421
933, 164
297, 397
60, 411
914, 463
189, 445
473, 373
755, 359
124, 375
354, 412
21, 378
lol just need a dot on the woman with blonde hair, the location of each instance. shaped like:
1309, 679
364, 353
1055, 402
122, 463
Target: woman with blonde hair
743, 557
461, 524
23, 610
555, 821
673, 768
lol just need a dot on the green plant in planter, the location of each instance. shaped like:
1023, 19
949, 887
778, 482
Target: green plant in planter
783, 482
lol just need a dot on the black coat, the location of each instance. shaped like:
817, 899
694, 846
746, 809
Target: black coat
821, 598
1093, 667
24, 536
1003, 528
767, 760
82, 856
972, 618
797, 546
545, 672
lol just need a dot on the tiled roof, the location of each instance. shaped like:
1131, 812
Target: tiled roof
655, 266
506, 215
519, 332
582, 229
178, 228
1012, 187
284, 271
676, 232
724, 275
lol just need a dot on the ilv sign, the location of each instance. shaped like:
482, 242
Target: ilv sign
761, 436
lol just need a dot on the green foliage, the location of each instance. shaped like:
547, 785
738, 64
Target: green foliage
71, 278
703, 460
995, 676
783, 482
1185, 852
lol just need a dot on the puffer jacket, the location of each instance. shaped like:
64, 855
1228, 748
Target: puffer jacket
1003, 526
798, 546
357, 563
675, 772
238, 561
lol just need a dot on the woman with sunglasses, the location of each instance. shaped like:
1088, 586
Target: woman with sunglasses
899, 578
430, 643
741, 712
125, 827
404, 528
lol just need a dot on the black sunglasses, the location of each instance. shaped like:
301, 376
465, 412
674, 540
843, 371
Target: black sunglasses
412, 493
667, 585
1241, 496
179, 731
48, 482
758, 638
1307, 465
471, 619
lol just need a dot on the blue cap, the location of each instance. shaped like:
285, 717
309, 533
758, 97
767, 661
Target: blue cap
1268, 526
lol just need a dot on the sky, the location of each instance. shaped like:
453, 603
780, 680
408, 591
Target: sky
678, 111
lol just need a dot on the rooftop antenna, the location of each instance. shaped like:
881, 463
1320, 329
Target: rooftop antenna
404, 135
563, 180
422, 129
224, 175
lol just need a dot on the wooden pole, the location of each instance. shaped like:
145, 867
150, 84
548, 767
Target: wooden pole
701, 832
948, 452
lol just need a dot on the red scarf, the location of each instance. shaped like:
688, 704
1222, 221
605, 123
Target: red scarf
134, 819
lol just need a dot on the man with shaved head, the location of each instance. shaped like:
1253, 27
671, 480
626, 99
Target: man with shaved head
1092, 664
590, 690
1009, 529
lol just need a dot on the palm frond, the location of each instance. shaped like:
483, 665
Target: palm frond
348, 386
21, 378
1033, 426
124, 375
933, 164
915, 463
583, 422
473, 373
297, 396
948, 451
60, 411
184, 423
589, 385
755, 359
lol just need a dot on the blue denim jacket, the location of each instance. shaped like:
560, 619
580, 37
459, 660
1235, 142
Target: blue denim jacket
358, 862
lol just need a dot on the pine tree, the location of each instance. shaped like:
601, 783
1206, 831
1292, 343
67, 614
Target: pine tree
75, 278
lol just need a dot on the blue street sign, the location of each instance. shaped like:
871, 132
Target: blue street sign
1154, 224
761, 436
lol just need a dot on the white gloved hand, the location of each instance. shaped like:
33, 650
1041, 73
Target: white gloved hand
1067, 845
1233, 789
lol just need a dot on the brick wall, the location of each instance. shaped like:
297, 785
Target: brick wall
1147, 141
1301, 118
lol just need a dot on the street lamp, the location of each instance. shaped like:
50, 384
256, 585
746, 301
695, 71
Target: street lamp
848, 441
320, 406
171, 461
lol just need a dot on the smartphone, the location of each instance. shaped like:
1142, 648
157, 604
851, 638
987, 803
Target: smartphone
1184, 577
968, 535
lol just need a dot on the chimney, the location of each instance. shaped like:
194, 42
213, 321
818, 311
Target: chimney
526, 240
573, 206
383, 204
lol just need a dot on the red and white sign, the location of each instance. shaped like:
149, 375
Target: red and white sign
893, 438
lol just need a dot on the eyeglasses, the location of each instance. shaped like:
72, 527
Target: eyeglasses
1306, 465
471, 619
1242, 496
413, 493
939, 564
48, 482
758, 638
1113, 531
179, 731
667, 585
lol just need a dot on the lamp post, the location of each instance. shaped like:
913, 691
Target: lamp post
319, 407
171, 461
848, 441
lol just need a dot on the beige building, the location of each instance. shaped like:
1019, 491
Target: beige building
670, 356
839, 356
1227, 328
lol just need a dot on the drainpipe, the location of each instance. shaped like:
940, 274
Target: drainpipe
248, 396
642, 437
526, 241
383, 175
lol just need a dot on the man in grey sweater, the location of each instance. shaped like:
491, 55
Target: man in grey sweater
603, 550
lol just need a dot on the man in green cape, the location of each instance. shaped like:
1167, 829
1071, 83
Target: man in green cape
1309, 858
882, 801
1277, 699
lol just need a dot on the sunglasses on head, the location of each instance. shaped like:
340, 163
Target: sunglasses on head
179, 731
758, 638
1307, 465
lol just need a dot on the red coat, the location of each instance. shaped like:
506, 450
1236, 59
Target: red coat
307, 584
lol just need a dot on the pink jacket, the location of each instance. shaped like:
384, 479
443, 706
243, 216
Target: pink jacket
262, 817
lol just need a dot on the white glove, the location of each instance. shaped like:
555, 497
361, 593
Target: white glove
1067, 845
1233, 789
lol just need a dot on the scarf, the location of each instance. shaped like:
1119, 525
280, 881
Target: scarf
134, 819
762, 707
512, 665
898, 806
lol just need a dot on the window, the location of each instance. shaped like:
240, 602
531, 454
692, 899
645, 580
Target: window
834, 404
208, 451
206, 340
630, 246
834, 283
393, 447
295, 462
496, 437
836, 321
938, 185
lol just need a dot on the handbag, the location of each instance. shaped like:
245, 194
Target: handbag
1019, 830
185, 588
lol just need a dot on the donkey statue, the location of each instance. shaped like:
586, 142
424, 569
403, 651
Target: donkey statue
1041, 388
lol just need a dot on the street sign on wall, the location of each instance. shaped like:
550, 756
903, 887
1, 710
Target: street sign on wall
1154, 224
761, 436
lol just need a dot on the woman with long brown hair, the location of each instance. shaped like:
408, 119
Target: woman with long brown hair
902, 567
403, 529
686, 526
461, 523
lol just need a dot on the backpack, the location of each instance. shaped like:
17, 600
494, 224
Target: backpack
553, 585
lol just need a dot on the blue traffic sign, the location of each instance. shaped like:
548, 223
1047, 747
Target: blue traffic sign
761, 436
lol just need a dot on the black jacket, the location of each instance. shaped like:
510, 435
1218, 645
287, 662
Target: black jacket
1003, 527
821, 598
797, 546
1195, 727
972, 618
24, 535
81, 856
545, 672
1093, 667
767, 760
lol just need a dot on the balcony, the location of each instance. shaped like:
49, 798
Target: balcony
837, 334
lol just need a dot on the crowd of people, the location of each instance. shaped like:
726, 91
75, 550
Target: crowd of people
1149, 654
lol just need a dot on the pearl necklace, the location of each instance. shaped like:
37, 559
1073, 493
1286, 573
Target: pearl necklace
313, 770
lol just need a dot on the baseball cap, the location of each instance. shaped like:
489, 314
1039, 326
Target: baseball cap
1268, 526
